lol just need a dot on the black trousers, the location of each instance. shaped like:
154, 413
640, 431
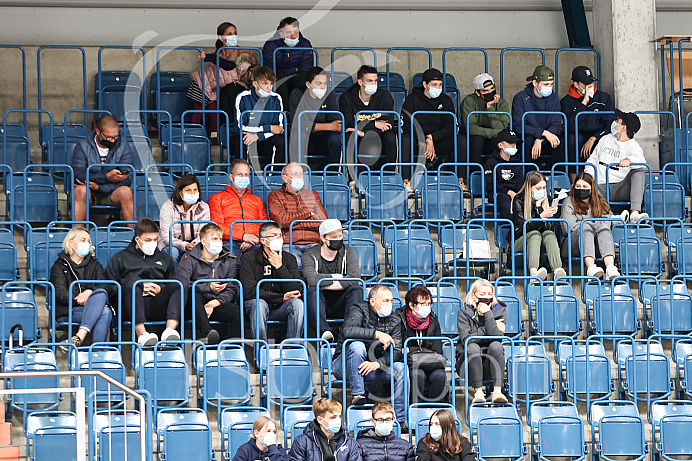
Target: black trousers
163, 306
228, 314
285, 84
479, 147
374, 149
262, 153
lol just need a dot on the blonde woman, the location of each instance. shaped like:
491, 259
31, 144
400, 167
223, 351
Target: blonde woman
531, 202
262, 444
89, 301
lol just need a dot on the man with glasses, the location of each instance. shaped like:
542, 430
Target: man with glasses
277, 300
293, 202
107, 185
381, 438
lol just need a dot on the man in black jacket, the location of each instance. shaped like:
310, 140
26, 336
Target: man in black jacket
509, 178
433, 134
367, 360
143, 260
277, 300
381, 439
376, 132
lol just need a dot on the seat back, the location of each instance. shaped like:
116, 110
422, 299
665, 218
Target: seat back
361, 239
236, 425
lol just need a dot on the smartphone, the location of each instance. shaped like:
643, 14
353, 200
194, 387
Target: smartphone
555, 203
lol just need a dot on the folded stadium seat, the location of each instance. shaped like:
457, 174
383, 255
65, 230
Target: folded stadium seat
164, 372
496, 431
9, 270
652, 380
334, 193
611, 310
556, 308
185, 433
639, 249
678, 238
118, 91
112, 239
682, 355
454, 238
441, 195
556, 431
667, 306
414, 242
294, 420
668, 199
58, 144
360, 238
235, 425
169, 92
31, 358
223, 375
51, 435
446, 304
528, 372
109, 430
385, 196
575, 366
34, 197
287, 375
617, 430
107, 359
506, 292
671, 422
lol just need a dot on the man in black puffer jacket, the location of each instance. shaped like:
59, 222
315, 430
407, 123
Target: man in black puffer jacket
380, 443
372, 323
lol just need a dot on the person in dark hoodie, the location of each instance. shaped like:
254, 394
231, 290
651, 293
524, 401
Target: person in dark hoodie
262, 444
324, 439
433, 134
379, 443
320, 136
214, 301
376, 132
291, 65
482, 315
542, 132
444, 442
509, 178
419, 320
583, 97
368, 360
143, 260
89, 301
107, 185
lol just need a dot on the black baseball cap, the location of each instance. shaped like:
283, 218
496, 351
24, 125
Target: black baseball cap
507, 135
432, 74
630, 119
583, 74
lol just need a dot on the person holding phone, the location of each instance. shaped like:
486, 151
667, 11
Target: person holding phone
531, 203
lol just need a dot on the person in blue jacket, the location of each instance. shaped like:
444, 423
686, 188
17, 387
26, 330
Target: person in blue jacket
541, 133
324, 439
263, 130
107, 185
582, 96
291, 65
262, 444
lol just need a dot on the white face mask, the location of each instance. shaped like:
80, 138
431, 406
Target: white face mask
319, 92
370, 89
214, 248
269, 439
231, 40
276, 245
148, 248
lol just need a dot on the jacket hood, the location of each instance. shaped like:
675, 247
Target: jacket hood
313, 428
68, 260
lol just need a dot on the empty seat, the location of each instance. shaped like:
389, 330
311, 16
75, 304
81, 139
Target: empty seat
164, 372
34, 198
32, 358
185, 433
51, 435
235, 425
556, 307
409, 251
528, 372
575, 367
110, 429
118, 92
361, 239
617, 430
639, 249
446, 305
556, 431
223, 374
169, 93
385, 196
671, 423
652, 376
496, 431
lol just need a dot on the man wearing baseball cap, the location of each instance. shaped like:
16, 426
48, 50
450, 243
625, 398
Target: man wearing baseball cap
626, 183
433, 134
583, 97
508, 178
331, 259
542, 132
483, 127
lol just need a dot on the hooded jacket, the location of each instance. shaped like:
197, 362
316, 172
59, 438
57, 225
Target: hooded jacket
86, 153
300, 100
509, 177
440, 126
350, 104
286, 206
227, 206
518, 218
250, 452
361, 322
133, 262
170, 212
486, 125
255, 266
65, 271
258, 122
287, 61
526, 101
470, 323
375, 447
191, 268
432, 330
589, 125
346, 259
308, 446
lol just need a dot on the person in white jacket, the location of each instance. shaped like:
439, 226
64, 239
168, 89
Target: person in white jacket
626, 183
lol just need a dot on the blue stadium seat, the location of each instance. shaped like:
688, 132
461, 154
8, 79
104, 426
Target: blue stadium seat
223, 375
288, 371
454, 237
418, 417
335, 195
108, 360
185, 433
682, 356
609, 313
193, 150
668, 202
617, 430
116, 237
572, 359
294, 419
171, 95
496, 431
652, 370
32, 358
441, 195
20, 313
235, 425
34, 198
667, 312
385, 196
556, 431
55, 140
119, 91
152, 191
341, 82
507, 293
164, 372
8, 253
43, 248
142, 152
446, 305
110, 428
671, 423
538, 382
398, 245
51, 435
556, 307
361, 239
639, 249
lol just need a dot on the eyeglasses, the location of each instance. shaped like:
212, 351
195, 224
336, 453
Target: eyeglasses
273, 236
384, 420
110, 138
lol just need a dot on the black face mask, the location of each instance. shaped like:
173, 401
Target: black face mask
106, 143
487, 301
489, 96
335, 245
582, 194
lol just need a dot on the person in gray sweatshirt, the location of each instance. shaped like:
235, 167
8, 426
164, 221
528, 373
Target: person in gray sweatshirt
331, 259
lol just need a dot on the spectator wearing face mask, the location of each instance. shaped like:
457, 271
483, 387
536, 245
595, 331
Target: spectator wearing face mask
380, 438
291, 65
508, 178
541, 132
320, 135
583, 97
483, 127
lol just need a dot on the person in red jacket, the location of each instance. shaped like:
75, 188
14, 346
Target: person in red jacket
293, 202
238, 203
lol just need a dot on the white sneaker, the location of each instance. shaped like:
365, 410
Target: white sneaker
559, 272
612, 272
147, 339
479, 396
409, 189
636, 216
498, 397
328, 336
625, 216
542, 273
352, 186
169, 334
595, 271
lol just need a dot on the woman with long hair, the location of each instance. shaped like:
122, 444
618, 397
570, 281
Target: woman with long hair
444, 442
262, 443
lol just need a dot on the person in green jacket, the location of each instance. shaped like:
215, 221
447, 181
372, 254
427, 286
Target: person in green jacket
483, 127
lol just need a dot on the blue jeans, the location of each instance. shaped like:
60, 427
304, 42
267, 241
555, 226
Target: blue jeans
298, 251
95, 316
290, 312
357, 353
175, 254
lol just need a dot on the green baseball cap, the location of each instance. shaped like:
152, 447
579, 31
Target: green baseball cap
542, 74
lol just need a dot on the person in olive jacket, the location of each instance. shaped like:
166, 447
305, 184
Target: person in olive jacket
380, 438
214, 301
418, 320
89, 301
444, 442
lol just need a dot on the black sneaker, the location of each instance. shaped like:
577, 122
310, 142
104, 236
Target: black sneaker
211, 338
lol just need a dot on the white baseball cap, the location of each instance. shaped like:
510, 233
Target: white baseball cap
330, 225
478, 82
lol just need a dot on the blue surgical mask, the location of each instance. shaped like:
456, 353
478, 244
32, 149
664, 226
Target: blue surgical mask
385, 310
510, 151
297, 184
423, 311
334, 425
83, 249
269, 439
384, 429
435, 432
613, 130
262, 93
241, 182
545, 91
434, 92
291, 41
538, 195
231, 40
214, 248
190, 199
